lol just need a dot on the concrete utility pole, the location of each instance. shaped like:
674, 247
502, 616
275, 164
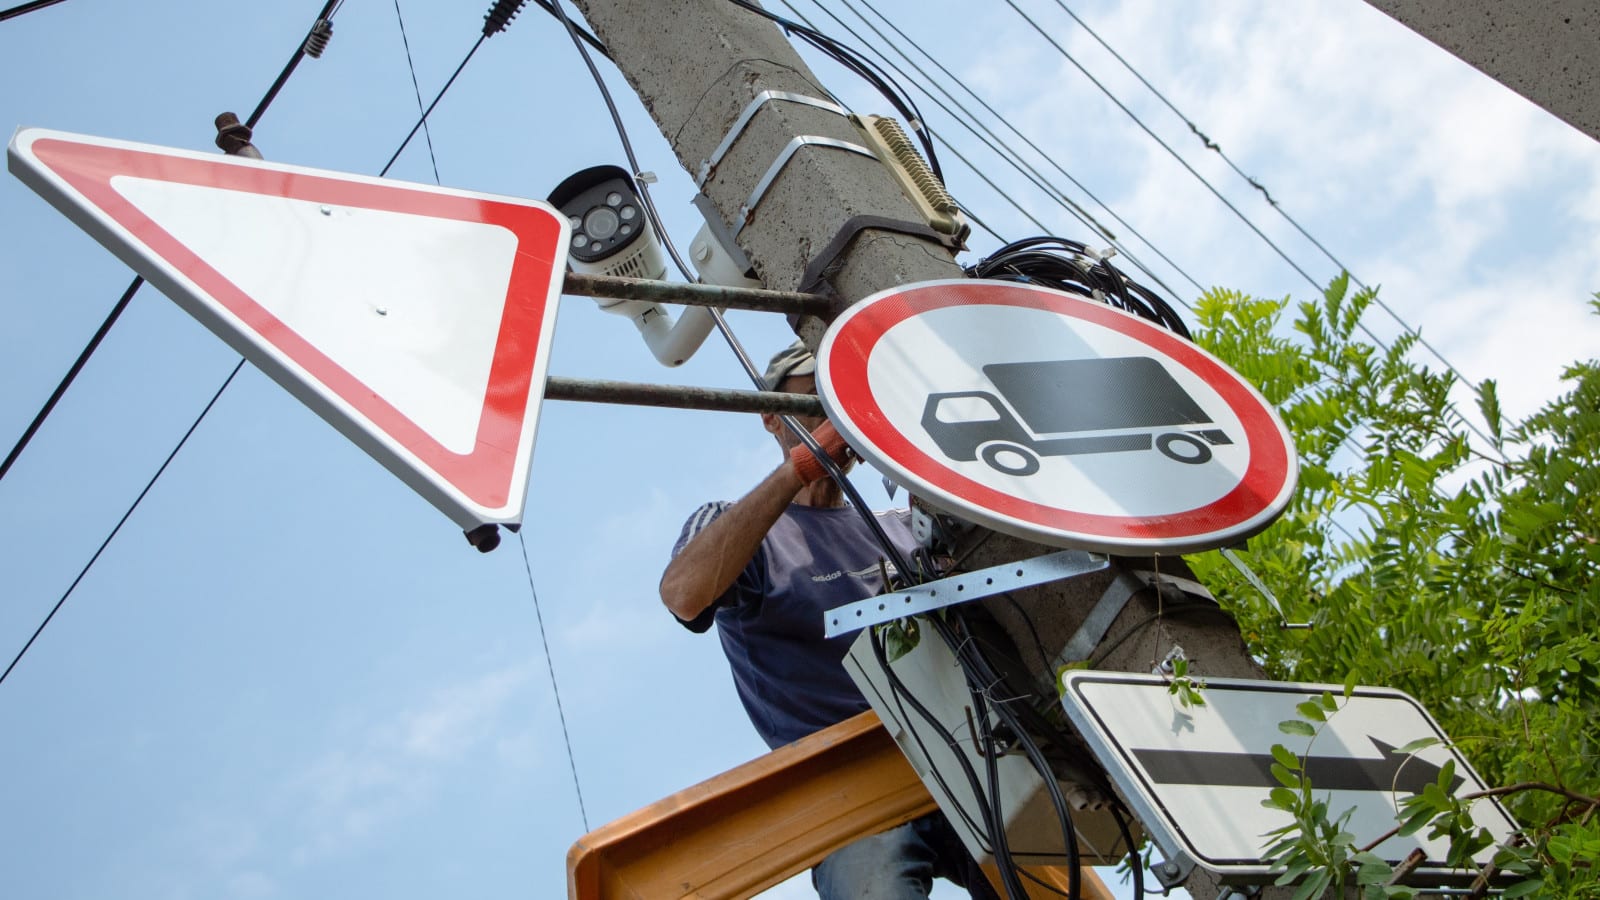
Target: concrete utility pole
697, 65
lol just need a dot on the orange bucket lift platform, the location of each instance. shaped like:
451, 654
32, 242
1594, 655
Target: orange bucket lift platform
751, 827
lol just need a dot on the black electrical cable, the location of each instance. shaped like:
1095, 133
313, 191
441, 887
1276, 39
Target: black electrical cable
429, 111
982, 681
427, 133
323, 17
989, 749
134, 285
588, 38
24, 8
120, 522
1217, 148
551, 664
902, 696
891, 552
980, 671
332, 5
72, 374
1071, 266
867, 70
1010, 126
987, 137
1246, 220
1135, 865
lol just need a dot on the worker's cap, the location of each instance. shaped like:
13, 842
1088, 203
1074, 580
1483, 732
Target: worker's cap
795, 359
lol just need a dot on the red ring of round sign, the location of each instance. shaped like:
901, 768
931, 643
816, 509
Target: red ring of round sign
1055, 418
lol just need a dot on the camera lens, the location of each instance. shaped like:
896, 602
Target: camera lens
600, 223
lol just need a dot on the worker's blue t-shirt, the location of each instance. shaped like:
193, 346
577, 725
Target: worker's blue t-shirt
789, 676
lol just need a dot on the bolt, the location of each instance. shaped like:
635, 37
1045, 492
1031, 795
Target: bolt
1168, 868
327, 210
383, 310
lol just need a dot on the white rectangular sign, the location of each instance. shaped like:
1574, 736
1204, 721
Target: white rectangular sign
1200, 772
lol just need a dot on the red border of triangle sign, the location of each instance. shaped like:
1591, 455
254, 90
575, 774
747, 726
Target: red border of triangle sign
477, 480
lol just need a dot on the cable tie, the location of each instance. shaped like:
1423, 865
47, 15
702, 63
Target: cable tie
646, 177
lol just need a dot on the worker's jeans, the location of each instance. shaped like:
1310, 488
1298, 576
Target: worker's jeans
900, 864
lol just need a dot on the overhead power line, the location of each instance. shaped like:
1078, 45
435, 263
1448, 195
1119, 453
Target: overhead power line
72, 374
120, 522
1413, 332
423, 121
1011, 127
24, 8
323, 18
1167, 147
417, 89
972, 123
1271, 201
572, 760
332, 6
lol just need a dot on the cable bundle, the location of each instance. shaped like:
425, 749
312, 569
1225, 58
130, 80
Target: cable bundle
1072, 267
866, 69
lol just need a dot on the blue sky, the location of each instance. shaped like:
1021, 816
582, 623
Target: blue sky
289, 676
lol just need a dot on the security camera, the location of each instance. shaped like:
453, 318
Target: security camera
611, 235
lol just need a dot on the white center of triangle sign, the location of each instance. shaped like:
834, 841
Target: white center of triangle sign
415, 319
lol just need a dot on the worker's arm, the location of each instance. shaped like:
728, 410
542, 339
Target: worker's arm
712, 560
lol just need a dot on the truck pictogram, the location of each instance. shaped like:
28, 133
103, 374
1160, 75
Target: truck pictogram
1067, 407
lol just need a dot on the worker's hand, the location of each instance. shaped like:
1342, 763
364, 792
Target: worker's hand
805, 462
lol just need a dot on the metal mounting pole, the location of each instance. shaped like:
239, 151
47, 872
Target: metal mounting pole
826, 223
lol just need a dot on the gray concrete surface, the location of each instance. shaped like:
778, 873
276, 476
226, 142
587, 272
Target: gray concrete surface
1545, 50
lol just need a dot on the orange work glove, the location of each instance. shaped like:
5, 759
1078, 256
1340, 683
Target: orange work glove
805, 463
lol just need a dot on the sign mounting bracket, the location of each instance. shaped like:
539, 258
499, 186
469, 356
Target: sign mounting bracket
959, 588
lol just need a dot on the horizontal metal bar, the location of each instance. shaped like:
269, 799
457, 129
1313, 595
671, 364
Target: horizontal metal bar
611, 288
961, 588
679, 397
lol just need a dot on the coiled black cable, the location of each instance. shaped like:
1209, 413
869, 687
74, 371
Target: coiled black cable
1070, 266
981, 679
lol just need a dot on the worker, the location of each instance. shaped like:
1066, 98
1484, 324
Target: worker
764, 569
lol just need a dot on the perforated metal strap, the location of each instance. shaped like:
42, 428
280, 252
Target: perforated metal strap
961, 588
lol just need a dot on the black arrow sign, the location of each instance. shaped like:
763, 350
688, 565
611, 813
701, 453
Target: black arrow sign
1393, 771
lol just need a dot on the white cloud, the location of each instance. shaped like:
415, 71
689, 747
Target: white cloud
391, 769
1419, 173
456, 719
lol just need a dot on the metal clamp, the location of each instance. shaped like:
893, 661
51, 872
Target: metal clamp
794, 145
1094, 626
960, 588
1092, 630
707, 166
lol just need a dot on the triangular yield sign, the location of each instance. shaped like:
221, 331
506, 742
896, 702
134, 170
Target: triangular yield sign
415, 319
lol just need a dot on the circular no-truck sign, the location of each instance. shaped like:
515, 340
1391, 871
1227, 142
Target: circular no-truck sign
1055, 418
